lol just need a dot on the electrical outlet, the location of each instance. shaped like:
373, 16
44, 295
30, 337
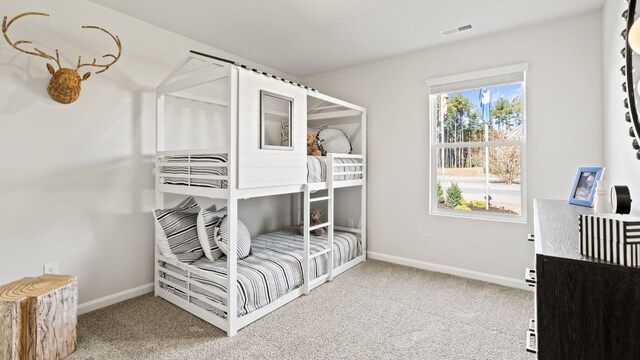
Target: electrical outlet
350, 223
52, 268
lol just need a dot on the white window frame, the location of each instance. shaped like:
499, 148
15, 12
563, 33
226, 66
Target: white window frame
435, 146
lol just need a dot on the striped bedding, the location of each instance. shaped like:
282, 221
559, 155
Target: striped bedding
273, 269
195, 170
317, 169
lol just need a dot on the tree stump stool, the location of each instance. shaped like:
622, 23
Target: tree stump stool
38, 318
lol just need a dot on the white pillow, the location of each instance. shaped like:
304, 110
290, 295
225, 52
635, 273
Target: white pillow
161, 241
243, 242
211, 203
208, 221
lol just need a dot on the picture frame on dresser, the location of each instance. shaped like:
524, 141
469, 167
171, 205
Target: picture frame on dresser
583, 191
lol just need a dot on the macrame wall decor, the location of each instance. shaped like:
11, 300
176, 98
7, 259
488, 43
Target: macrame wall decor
631, 51
64, 85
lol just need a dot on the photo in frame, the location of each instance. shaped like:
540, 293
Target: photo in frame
583, 191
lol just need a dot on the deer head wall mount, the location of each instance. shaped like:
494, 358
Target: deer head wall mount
64, 86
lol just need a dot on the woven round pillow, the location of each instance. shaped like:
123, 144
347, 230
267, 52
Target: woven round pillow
243, 242
331, 140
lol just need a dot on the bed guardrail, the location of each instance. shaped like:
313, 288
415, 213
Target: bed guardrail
187, 284
348, 229
221, 280
347, 167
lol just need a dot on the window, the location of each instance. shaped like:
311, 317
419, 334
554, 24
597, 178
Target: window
275, 121
478, 144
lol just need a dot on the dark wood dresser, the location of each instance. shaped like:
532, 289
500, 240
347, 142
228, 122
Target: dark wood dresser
585, 308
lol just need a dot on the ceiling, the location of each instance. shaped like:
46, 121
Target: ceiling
307, 37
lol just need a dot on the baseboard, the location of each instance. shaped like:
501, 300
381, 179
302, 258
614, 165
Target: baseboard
495, 279
114, 298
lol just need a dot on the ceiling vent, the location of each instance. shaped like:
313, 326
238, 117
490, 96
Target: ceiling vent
457, 29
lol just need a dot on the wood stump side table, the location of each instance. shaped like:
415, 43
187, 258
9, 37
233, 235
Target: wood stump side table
38, 318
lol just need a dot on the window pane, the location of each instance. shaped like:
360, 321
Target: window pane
275, 121
486, 114
458, 119
505, 184
461, 178
506, 112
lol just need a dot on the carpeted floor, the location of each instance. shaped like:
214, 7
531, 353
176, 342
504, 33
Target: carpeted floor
374, 311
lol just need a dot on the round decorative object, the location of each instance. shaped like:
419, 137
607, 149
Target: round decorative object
332, 140
631, 35
64, 86
620, 199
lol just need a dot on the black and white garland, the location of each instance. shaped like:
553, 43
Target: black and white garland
254, 70
628, 86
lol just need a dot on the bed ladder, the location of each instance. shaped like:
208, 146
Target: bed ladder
308, 202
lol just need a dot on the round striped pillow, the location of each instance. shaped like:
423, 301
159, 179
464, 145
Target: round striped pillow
331, 140
243, 242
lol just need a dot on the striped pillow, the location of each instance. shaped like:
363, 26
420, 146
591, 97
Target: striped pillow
243, 242
335, 141
208, 221
177, 231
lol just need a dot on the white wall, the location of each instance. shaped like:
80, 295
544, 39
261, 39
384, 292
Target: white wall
564, 92
623, 168
76, 184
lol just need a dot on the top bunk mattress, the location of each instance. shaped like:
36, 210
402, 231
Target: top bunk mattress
273, 269
178, 173
201, 166
317, 169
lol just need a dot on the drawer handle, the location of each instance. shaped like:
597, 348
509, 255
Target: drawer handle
531, 237
530, 276
532, 325
532, 344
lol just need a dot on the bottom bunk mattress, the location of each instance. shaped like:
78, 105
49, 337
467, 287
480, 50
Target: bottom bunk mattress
273, 269
317, 169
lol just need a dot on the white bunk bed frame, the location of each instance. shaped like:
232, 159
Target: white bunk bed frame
214, 69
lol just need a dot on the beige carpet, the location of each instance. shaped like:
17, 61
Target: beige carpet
374, 311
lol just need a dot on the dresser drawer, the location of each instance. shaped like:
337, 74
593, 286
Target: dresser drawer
532, 344
530, 277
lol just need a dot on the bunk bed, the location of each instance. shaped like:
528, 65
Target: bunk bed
229, 160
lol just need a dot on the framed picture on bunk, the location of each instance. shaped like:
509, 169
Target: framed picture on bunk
583, 190
276, 121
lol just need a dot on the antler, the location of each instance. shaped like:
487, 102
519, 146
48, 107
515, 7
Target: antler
115, 58
15, 45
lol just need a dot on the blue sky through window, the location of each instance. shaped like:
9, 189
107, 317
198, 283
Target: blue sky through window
508, 92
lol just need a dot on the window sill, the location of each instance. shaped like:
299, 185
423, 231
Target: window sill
516, 219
